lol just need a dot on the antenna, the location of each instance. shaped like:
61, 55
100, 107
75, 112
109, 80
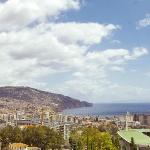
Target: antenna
127, 121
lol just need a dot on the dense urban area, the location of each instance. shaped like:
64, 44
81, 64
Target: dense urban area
31, 119
44, 129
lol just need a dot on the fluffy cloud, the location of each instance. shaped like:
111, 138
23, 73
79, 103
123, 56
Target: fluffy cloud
83, 33
116, 56
144, 22
34, 50
16, 14
92, 81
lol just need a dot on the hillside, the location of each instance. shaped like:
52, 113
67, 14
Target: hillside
19, 96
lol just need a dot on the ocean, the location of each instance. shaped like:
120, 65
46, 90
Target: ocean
110, 109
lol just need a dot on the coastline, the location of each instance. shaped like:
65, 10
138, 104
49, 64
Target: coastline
110, 109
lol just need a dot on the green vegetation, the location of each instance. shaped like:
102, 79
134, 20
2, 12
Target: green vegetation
86, 138
39, 136
91, 139
10, 135
132, 144
112, 129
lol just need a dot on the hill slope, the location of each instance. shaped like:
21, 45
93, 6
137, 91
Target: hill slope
27, 95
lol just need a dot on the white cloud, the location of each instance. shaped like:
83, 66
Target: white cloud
92, 81
117, 68
83, 33
139, 51
103, 90
116, 42
16, 14
33, 55
36, 54
144, 22
128, 93
32, 50
116, 56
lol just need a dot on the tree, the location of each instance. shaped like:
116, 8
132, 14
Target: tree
42, 137
112, 129
91, 139
132, 144
17, 135
10, 134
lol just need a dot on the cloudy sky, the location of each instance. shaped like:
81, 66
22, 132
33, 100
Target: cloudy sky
94, 50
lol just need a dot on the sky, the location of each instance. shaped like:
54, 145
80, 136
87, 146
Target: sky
93, 50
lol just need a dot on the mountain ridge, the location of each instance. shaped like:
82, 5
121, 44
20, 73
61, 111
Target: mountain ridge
24, 95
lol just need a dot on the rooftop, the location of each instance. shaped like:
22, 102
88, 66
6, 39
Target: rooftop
33, 148
18, 145
137, 134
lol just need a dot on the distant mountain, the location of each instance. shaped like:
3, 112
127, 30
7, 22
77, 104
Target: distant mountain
26, 95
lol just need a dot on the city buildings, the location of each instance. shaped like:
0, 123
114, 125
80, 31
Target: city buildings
64, 124
144, 119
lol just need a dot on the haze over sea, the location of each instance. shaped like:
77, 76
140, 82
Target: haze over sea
110, 109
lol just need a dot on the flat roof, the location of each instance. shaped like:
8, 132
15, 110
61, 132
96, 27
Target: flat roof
33, 148
137, 134
18, 145
143, 130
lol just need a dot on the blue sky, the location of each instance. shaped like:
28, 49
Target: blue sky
94, 50
126, 14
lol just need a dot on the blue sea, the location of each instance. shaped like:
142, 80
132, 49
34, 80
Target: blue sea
110, 109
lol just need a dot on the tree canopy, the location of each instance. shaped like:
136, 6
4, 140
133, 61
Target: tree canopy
40, 136
91, 139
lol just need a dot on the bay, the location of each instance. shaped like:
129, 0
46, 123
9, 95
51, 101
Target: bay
110, 109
